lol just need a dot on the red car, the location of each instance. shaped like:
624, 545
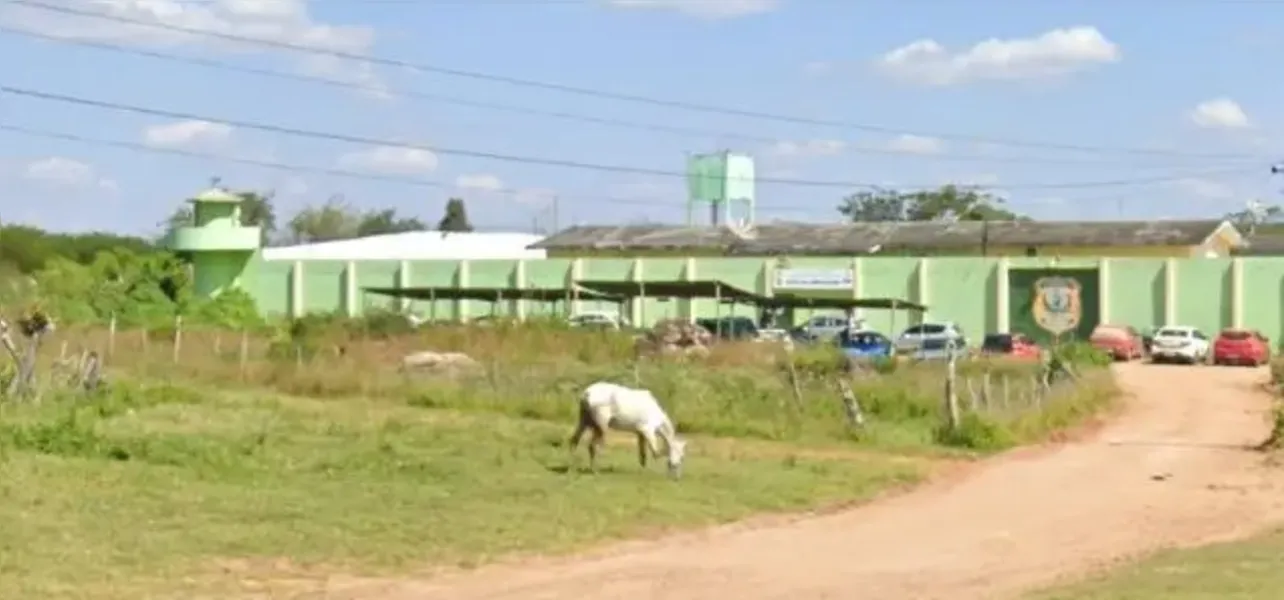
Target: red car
1012, 345
1122, 342
1241, 347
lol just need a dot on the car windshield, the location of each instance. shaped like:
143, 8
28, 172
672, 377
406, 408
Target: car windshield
1172, 333
1236, 335
926, 329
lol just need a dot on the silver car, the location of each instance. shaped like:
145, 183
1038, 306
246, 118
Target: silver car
931, 340
826, 327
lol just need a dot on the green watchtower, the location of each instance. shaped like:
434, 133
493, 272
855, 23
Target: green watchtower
219, 246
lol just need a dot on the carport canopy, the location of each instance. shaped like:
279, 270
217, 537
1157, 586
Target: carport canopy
488, 294
796, 301
710, 288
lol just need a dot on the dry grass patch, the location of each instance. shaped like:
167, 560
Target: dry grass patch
149, 490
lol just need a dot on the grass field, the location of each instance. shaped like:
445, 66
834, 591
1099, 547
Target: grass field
156, 488
227, 459
1248, 570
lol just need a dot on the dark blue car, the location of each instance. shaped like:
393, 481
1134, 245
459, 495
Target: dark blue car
864, 344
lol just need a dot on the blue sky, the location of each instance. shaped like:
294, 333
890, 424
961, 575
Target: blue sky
1186, 78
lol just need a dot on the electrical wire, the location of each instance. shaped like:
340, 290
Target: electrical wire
603, 121
293, 168
332, 172
601, 94
551, 162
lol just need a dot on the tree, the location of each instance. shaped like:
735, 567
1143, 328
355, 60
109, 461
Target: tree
456, 217
1254, 214
946, 203
28, 249
381, 222
334, 220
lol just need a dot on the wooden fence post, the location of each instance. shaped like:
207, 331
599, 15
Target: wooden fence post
951, 391
244, 358
178, 338
111, 336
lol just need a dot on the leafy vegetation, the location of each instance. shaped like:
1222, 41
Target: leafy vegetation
948, 202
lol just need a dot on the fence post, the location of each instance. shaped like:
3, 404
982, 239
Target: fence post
178, 337
111, 336
951, 390
244, 358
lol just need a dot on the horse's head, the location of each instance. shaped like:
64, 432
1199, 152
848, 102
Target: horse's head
677, 449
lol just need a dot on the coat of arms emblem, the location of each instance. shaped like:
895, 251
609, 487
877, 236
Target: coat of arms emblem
1057, 304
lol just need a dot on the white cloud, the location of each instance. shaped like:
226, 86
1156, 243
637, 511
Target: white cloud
285, 21
1219, 113
808, 148
67, 173
1054, 53
705, 9
482, 182
1205, 189
916, 144
392, 160
186, 134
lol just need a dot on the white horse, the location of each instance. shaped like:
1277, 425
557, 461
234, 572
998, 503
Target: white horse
607, 405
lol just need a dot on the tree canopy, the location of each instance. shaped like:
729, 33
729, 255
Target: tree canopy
946, 203
28, 249
456, 217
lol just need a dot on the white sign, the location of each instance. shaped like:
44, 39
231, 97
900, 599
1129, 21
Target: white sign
814, 279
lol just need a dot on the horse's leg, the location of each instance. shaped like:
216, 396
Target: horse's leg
652, 443
595, 444
574, 443
643, 447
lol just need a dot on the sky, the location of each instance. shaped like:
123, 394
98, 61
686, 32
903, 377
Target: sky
550, 113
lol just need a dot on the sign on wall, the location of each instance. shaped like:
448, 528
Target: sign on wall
814, 279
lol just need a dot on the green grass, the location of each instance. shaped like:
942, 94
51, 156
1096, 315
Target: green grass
148, 491
1247, 570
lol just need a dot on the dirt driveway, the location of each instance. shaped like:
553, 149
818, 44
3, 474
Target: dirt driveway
1171, 470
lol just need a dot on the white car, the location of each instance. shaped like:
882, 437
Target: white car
1180, 344
602, 320
936, 335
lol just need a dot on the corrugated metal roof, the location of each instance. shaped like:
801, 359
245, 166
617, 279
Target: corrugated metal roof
857, 238
416, 245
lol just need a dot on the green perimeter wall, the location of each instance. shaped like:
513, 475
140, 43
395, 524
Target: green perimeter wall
982, 294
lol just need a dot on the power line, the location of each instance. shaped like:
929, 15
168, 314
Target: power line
1117, 199
568, 89
341, 173
604, 121
307, 133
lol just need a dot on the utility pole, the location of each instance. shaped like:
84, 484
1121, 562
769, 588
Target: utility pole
557, 224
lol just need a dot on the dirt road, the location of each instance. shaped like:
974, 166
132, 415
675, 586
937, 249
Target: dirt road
1171, 470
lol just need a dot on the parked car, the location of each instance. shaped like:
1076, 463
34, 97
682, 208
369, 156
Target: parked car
1180, 344
731, 328
1121, 342
938, 347
595, 320
931, 337
1241, 347
864, 344
825, 327
1012, 345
